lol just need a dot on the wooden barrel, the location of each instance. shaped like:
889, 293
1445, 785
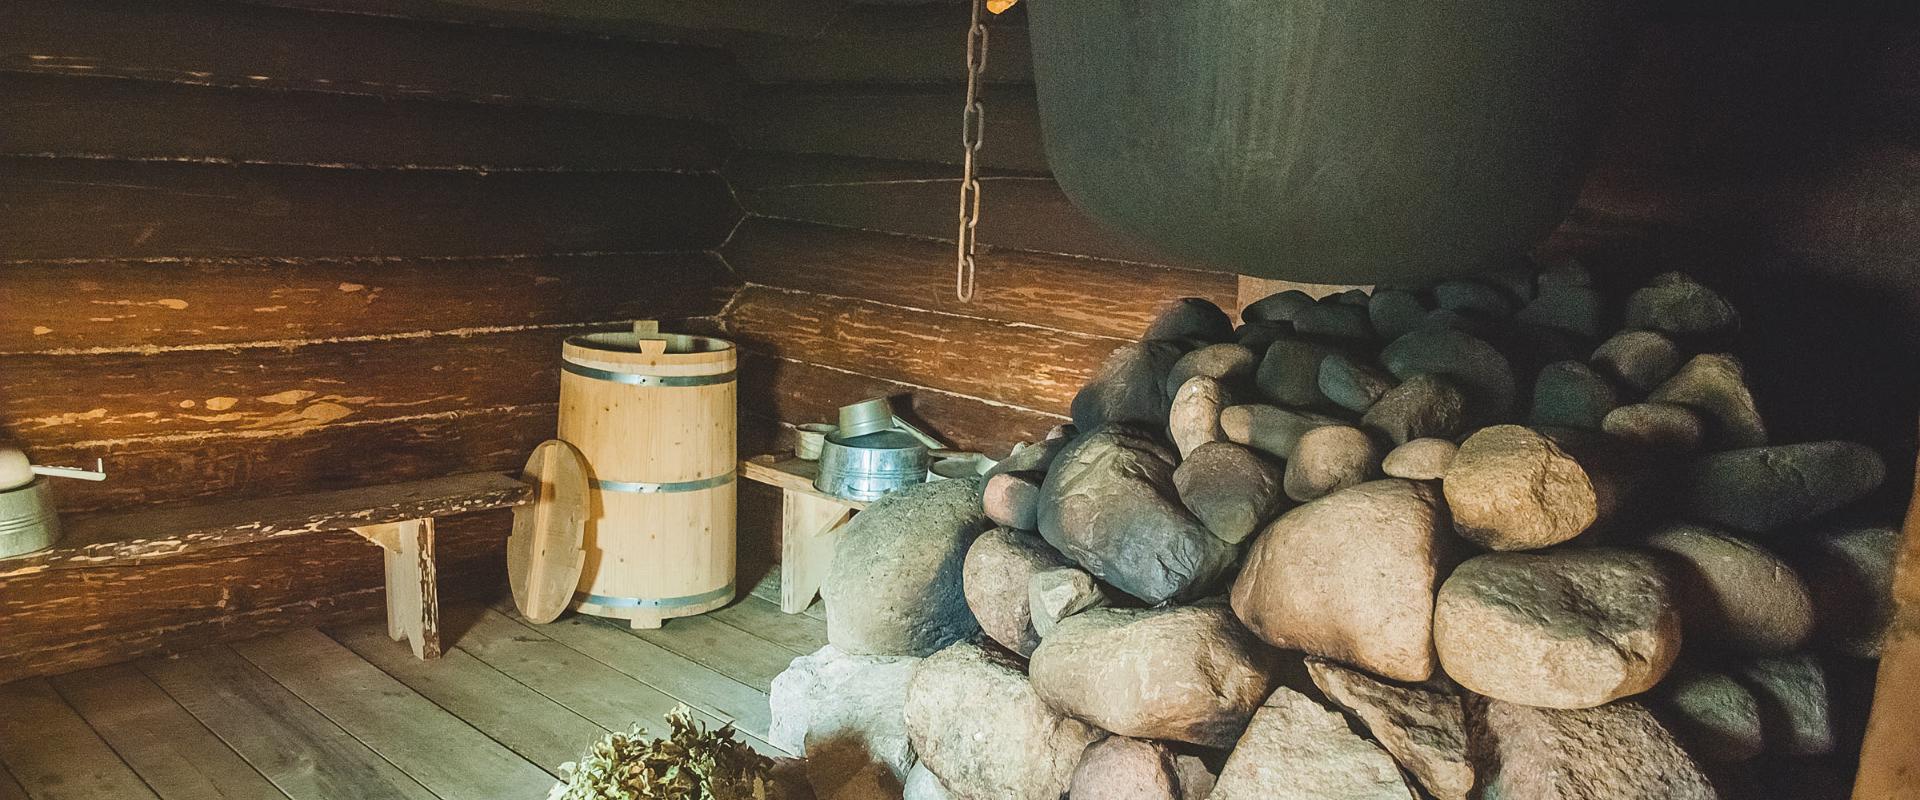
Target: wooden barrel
655, 420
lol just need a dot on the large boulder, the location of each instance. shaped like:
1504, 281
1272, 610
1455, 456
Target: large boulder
1109, 504
978, 725
1350, 577
1127, 388
1561, 629
844, 712
1760, 489
1425, 729
1297, 749
1514, 488
922, 784
894, 587
1119, 768
1613, 752
999, 566
1188, 673
1735, 593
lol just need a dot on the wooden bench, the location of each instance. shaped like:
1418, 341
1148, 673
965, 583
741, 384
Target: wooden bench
398, 517
810, 522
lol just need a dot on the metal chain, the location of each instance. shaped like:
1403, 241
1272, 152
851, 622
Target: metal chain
973, 130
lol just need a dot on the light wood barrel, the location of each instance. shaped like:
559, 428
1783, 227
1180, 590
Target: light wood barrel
657, 430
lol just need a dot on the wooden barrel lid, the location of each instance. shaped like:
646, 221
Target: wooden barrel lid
546, 551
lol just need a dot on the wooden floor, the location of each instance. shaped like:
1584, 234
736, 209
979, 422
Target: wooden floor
346, 713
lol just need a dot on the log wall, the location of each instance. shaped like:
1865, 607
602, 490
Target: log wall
250, 251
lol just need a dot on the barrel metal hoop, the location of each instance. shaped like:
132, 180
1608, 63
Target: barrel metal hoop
653, 602
663, 488
637, 379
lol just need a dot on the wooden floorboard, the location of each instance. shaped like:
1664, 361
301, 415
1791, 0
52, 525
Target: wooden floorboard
799, 633
177, 756
527, 722
431, 745
305, 754
672, 674
594, 690
716, 645
55, 754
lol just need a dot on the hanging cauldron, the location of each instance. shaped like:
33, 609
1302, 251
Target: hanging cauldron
1329, 141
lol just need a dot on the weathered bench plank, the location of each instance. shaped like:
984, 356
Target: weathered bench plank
110, 538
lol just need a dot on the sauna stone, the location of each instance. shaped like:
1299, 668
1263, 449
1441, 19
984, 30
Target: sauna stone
1289, 373
1465, 296
1195, 417
1639, 359
1124, 768
1189, 674
843, 709
1850, 572
1424, 729
894, 585
1675, 304
1513, 488
1734, 593
1656, 427
1350, 577
1230, 364
1566, 629
922, 784
1278, 307
1795, 708
1056, 594
1420, 460
1191, 318
1110, 505
977, 724
1258, 336
1579, 310
1332, 319
1297, 749
1272, 430
1128, 387
1034, 456
1516, 280
1715, 716
1570, 394
998, 568
1714, 385
1012, 499
1421, 407
1329, 459
1612, 752
1479, 370
1394, 313
1761, 489
1230, 488
1351, 383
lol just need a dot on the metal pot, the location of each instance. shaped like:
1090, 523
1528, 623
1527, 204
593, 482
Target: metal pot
867, 467
27, 519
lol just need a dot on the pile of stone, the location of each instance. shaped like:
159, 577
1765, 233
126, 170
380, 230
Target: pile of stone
1502, 537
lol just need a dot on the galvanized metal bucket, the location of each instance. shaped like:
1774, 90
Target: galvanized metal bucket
867, 467
27, 519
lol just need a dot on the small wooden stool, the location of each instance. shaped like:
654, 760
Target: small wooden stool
810, 523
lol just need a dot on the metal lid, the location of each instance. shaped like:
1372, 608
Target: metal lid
867, 416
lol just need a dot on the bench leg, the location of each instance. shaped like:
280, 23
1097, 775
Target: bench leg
413, 594
809, 526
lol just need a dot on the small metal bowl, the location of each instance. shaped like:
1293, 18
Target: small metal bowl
868, 467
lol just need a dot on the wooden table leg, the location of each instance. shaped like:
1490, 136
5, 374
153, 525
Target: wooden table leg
809, 526
413, 593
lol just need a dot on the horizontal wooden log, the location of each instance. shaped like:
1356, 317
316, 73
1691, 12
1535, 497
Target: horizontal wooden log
785, 390
890, 122
158, 471
98, 117
1110, 298
887, 45
64, 620
66, 398
624, 20
233, 44
79, 209
1025, 213
94, 540
131, 305
998, 362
